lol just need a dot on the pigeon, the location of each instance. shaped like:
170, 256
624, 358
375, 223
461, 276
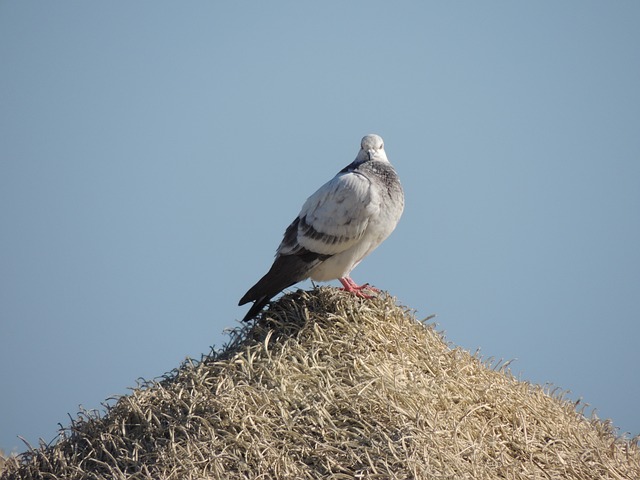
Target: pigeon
339, 225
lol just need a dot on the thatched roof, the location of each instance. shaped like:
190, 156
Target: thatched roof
330, 386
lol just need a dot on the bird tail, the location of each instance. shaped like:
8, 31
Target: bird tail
256, 307
285, 271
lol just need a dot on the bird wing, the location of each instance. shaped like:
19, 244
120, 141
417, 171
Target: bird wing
331, 220
334, 218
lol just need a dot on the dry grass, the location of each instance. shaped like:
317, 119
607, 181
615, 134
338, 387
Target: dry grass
330, 386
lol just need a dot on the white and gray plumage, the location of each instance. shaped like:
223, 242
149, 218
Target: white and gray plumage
339, 225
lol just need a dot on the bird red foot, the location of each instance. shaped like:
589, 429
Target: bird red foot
352, 287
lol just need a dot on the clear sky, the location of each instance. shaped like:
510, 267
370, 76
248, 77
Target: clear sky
153, 152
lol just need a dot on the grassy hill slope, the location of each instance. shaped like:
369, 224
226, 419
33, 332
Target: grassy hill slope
331, 386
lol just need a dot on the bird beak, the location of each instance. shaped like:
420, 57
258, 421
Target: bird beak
371, 153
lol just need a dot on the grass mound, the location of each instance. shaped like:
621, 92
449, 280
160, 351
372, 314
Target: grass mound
330, 386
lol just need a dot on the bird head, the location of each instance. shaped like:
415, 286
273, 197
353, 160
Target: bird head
372, 148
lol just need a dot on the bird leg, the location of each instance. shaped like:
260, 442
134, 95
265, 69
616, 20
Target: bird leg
352, 287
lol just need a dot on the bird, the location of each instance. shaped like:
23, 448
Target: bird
339, 225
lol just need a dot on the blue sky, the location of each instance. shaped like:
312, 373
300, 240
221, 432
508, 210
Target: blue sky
153, 153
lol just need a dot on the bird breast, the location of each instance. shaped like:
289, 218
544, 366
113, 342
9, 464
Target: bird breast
379, 228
